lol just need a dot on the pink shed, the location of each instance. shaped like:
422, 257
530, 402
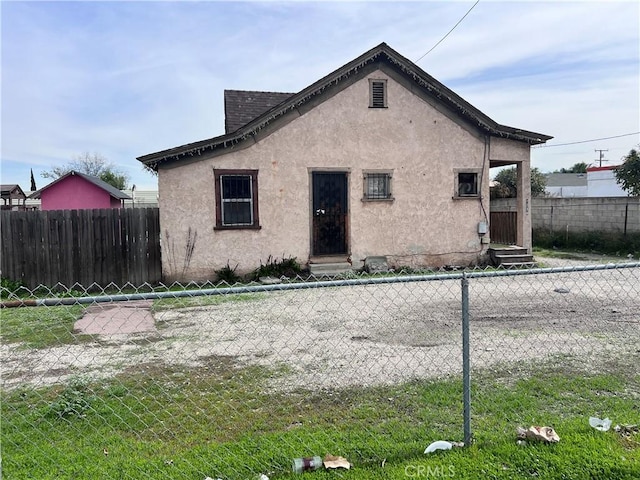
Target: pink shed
77, 191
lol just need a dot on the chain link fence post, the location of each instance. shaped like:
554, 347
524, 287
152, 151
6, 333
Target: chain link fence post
466, 370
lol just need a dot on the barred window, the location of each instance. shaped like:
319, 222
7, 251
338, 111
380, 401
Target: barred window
377, 185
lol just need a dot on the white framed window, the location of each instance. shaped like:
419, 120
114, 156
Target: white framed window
236, 198
467, 183
377, 185
377, 93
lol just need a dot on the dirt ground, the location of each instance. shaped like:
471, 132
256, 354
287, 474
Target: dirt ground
362, 335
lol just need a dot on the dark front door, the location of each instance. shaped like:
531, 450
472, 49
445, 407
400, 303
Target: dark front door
330, 213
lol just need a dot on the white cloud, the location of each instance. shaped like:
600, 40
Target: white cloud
126, 79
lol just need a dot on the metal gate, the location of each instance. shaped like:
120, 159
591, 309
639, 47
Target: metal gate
503, 228
330, 213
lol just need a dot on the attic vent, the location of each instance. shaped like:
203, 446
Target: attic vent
377, 93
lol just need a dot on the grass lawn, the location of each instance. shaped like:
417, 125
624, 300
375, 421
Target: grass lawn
575, 255
40, 327
217, 421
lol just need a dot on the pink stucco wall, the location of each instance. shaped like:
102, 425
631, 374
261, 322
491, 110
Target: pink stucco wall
419, 141
75, 193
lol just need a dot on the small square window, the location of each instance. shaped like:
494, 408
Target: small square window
467, 184
377, 93
377, 186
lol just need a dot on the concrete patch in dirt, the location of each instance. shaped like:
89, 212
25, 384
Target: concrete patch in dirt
116, 319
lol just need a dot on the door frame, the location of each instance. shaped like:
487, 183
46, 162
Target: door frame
347, 233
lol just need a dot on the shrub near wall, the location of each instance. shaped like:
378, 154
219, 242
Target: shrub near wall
614, 243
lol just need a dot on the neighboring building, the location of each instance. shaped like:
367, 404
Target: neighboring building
13, 198
566, 185
141, 198
597, 182
375, 159
32, 203
601, 182
78, 191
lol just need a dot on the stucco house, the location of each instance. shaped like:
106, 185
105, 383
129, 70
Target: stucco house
375, 159
79, 191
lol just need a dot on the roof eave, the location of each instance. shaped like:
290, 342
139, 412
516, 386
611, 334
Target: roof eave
443, 93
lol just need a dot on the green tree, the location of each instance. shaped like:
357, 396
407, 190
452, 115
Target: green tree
118, 180
580, 167
507, 183
93, 164
628, 174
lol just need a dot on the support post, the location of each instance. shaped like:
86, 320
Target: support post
466, 363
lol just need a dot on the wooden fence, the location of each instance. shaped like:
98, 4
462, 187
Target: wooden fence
82, 247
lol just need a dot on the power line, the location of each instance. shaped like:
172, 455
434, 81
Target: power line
454, 27
586, 141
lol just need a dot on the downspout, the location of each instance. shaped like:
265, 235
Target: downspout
485, 159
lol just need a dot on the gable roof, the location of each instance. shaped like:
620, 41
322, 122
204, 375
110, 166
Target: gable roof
8, 189
382, 54
110, 189
242, 106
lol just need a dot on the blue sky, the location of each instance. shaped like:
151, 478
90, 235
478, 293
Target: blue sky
129, 78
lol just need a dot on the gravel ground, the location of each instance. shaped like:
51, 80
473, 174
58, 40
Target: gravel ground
368, 335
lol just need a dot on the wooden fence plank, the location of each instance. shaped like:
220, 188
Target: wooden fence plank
81, 247
154, 270
74, 237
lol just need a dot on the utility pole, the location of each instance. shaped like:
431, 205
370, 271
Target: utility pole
601, 155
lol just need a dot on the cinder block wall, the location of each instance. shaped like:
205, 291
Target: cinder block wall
579, 214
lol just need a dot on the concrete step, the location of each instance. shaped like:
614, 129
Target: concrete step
516, 258
329, 259
514, 250
329, 269
510, 256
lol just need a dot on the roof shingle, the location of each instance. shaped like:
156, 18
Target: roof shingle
242, 106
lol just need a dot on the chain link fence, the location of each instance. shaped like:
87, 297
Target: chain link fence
230, 382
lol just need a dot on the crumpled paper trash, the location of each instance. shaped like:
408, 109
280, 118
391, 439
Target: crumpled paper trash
602, 425
543, 434
331, 461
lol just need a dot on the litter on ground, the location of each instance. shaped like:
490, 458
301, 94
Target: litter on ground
598, 424
543, 434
